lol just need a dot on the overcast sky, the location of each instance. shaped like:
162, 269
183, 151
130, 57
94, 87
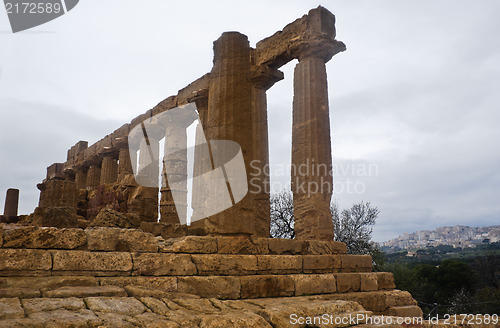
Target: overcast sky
414, 100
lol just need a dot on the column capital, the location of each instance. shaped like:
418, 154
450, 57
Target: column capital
319, 48
264, 77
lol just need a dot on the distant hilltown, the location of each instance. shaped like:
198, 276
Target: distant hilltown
456, 236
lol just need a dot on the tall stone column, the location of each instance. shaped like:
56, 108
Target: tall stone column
229, 118
109, 170
312, 177
173, 203
126, 163
201, 163
11, 203
93, 176
81, 178
263, 78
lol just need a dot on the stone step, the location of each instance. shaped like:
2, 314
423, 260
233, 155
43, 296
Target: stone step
129, 312
36, 262
132, 240
221, 287
405, 311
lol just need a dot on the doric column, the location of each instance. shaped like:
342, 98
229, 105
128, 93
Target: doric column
11, 203
93, 176
126, 163
109, 170
263, 78
229, 117
312, 177
173, 203
81, 178
201, 163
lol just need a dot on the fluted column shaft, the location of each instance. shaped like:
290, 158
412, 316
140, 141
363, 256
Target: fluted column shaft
126, 163
312, 181
109, 170
93, 177
229, 118
81, 178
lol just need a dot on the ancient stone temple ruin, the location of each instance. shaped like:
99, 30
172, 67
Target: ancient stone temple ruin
102, 250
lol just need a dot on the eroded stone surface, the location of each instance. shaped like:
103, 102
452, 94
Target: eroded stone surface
163, 264
121, 305
10, 308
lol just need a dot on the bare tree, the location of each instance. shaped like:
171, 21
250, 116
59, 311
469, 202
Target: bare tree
282, 223
354, 227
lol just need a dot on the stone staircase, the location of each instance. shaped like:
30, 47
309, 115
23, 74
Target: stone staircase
90, 275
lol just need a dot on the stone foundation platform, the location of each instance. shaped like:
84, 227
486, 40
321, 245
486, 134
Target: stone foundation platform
114, 277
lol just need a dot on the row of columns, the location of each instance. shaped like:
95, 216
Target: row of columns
109, 169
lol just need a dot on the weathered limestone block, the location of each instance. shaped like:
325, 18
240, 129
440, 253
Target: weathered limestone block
191, 244
225, 265
92, 261
410, 311
115, 320
51, 304
122, 240
168, 284
58, 193
59, 217
65, 318
120, 305
320, 247
356, 263
310, 284
34, 237
10, 308
80, 292
279, 264
143, 201
321, 263
348, 282
163, 264
369, 282
111, 218
10, 292
385, 280
24, 259
234, 319
141, 291
266, 286
153, 320
212, 286
242, 245
280, 315
286, 246
47, 283
1, 235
